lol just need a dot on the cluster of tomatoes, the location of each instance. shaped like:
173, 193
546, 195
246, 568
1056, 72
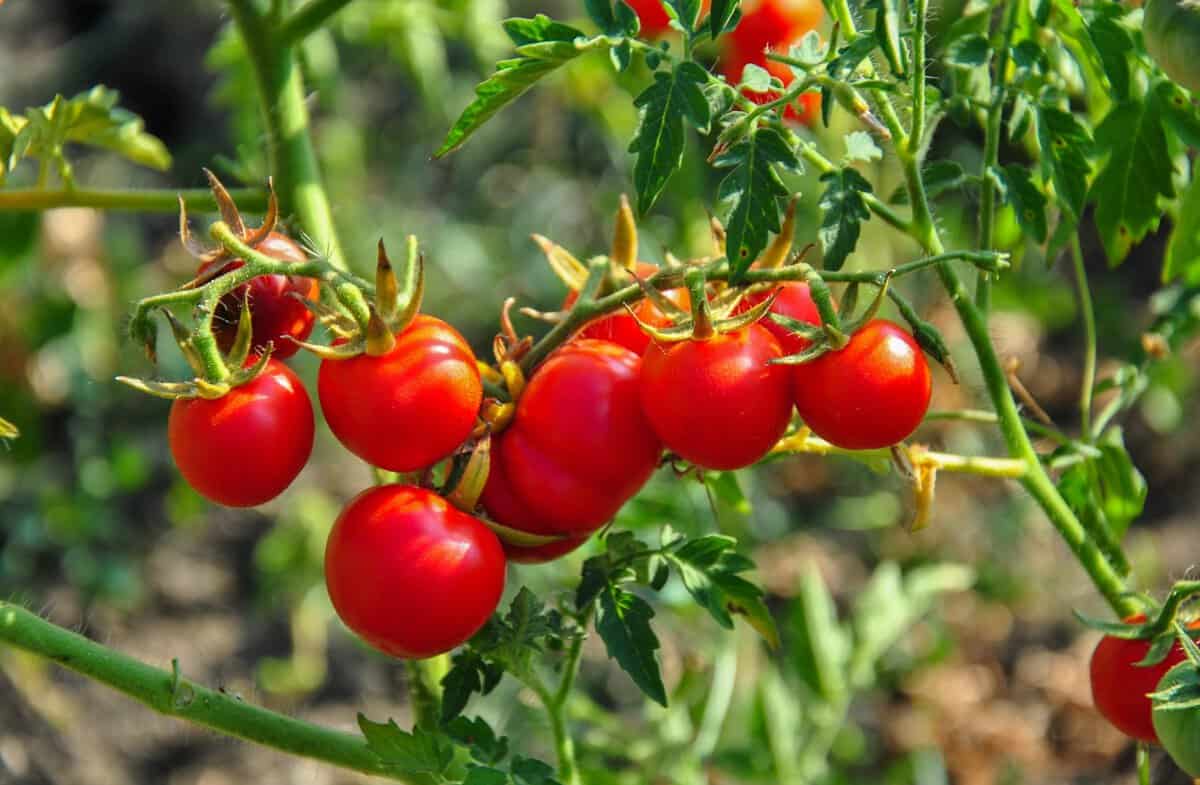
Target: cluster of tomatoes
766, 26
586, 431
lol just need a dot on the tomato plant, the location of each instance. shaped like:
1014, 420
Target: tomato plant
578, 448
276, 314
409, 408
411, 574
244, 448
872, 393
806, 109
718, 402
1178, 727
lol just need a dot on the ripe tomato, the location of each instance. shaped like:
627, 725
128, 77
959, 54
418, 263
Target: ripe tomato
275, 314
792, 300
578, 448
620, 327
410, 573
653, 16
872, 393
1119, 687
409, 408
1179, 729
806, 109
717, 402
246, 447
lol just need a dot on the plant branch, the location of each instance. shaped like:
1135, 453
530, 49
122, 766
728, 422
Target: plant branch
803, 442
158, 200
308, 19
424, 689
170, 694
1088, 383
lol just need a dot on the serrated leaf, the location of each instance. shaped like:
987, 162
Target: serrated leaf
861, 147
755, 192
479, 738
623, 622
756, 78
419, 752
1135, 179
845, 209
1180, 112
512, 640
660, 138
1182, 258
464, 678
592, 581
1027, 200
1065, 144
709, 568
1114, 45
539, 29
969, 51
820, 651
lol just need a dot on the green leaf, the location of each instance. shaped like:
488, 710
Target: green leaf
861, 147
1065, 144
1136, 178
1107, 493
659, 142
969, 51
845, 210
1182, 259
483, 775
544, 45
709, 568
623, 21
419, 752
755, 193
820, 651
478, 737
1114, 45
1180, 112
529, 771
1027, 200
721, 14
624, 625
512, 640
464, 678
686, 11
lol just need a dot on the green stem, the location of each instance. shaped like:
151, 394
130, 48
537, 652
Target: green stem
308, 19
1088, 383
1002, 468
915, 140
289, 145
425, 690
159, 200
991, 151
900, 137
170, 694
720, 696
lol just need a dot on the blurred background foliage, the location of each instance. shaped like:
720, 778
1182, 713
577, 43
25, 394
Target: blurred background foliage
953, 653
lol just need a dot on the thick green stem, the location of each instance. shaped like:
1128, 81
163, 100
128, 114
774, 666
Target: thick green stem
900, 137
170, 694
425, 690
991, 151
293, 159
158, 200
1088, 384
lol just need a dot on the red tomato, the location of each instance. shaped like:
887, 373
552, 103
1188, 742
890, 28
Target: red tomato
718, 403
410, 573
653, 16
623, 329
246, 447
872, 393
409, 408
775, 24
1119, 687
578, 448
274, 313
793, 300
806, 110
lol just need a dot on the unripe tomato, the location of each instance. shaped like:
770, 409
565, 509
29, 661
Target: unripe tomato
578, 448
623, 329
411, 574
793, 300
1178, 730
275, 315
718, 402
246, 447
806, 109
653, 16
409, 408
1120, 688
872, 393
1172, 32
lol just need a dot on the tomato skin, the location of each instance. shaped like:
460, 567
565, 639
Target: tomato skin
793, 300
1120, 689
409, 408
1178, 730
578, 448
411, 574
872, 393
621, 328
718, 403
244, 448
275, 314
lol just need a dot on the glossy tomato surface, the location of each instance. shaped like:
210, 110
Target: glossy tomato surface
1119, 687
578, 448
244, 448
410, 573
793, 300
275, 314
623, 329
872, 393
409, 408
718, 403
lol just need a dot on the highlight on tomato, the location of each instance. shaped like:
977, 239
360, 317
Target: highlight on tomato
411, 574
244, 448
